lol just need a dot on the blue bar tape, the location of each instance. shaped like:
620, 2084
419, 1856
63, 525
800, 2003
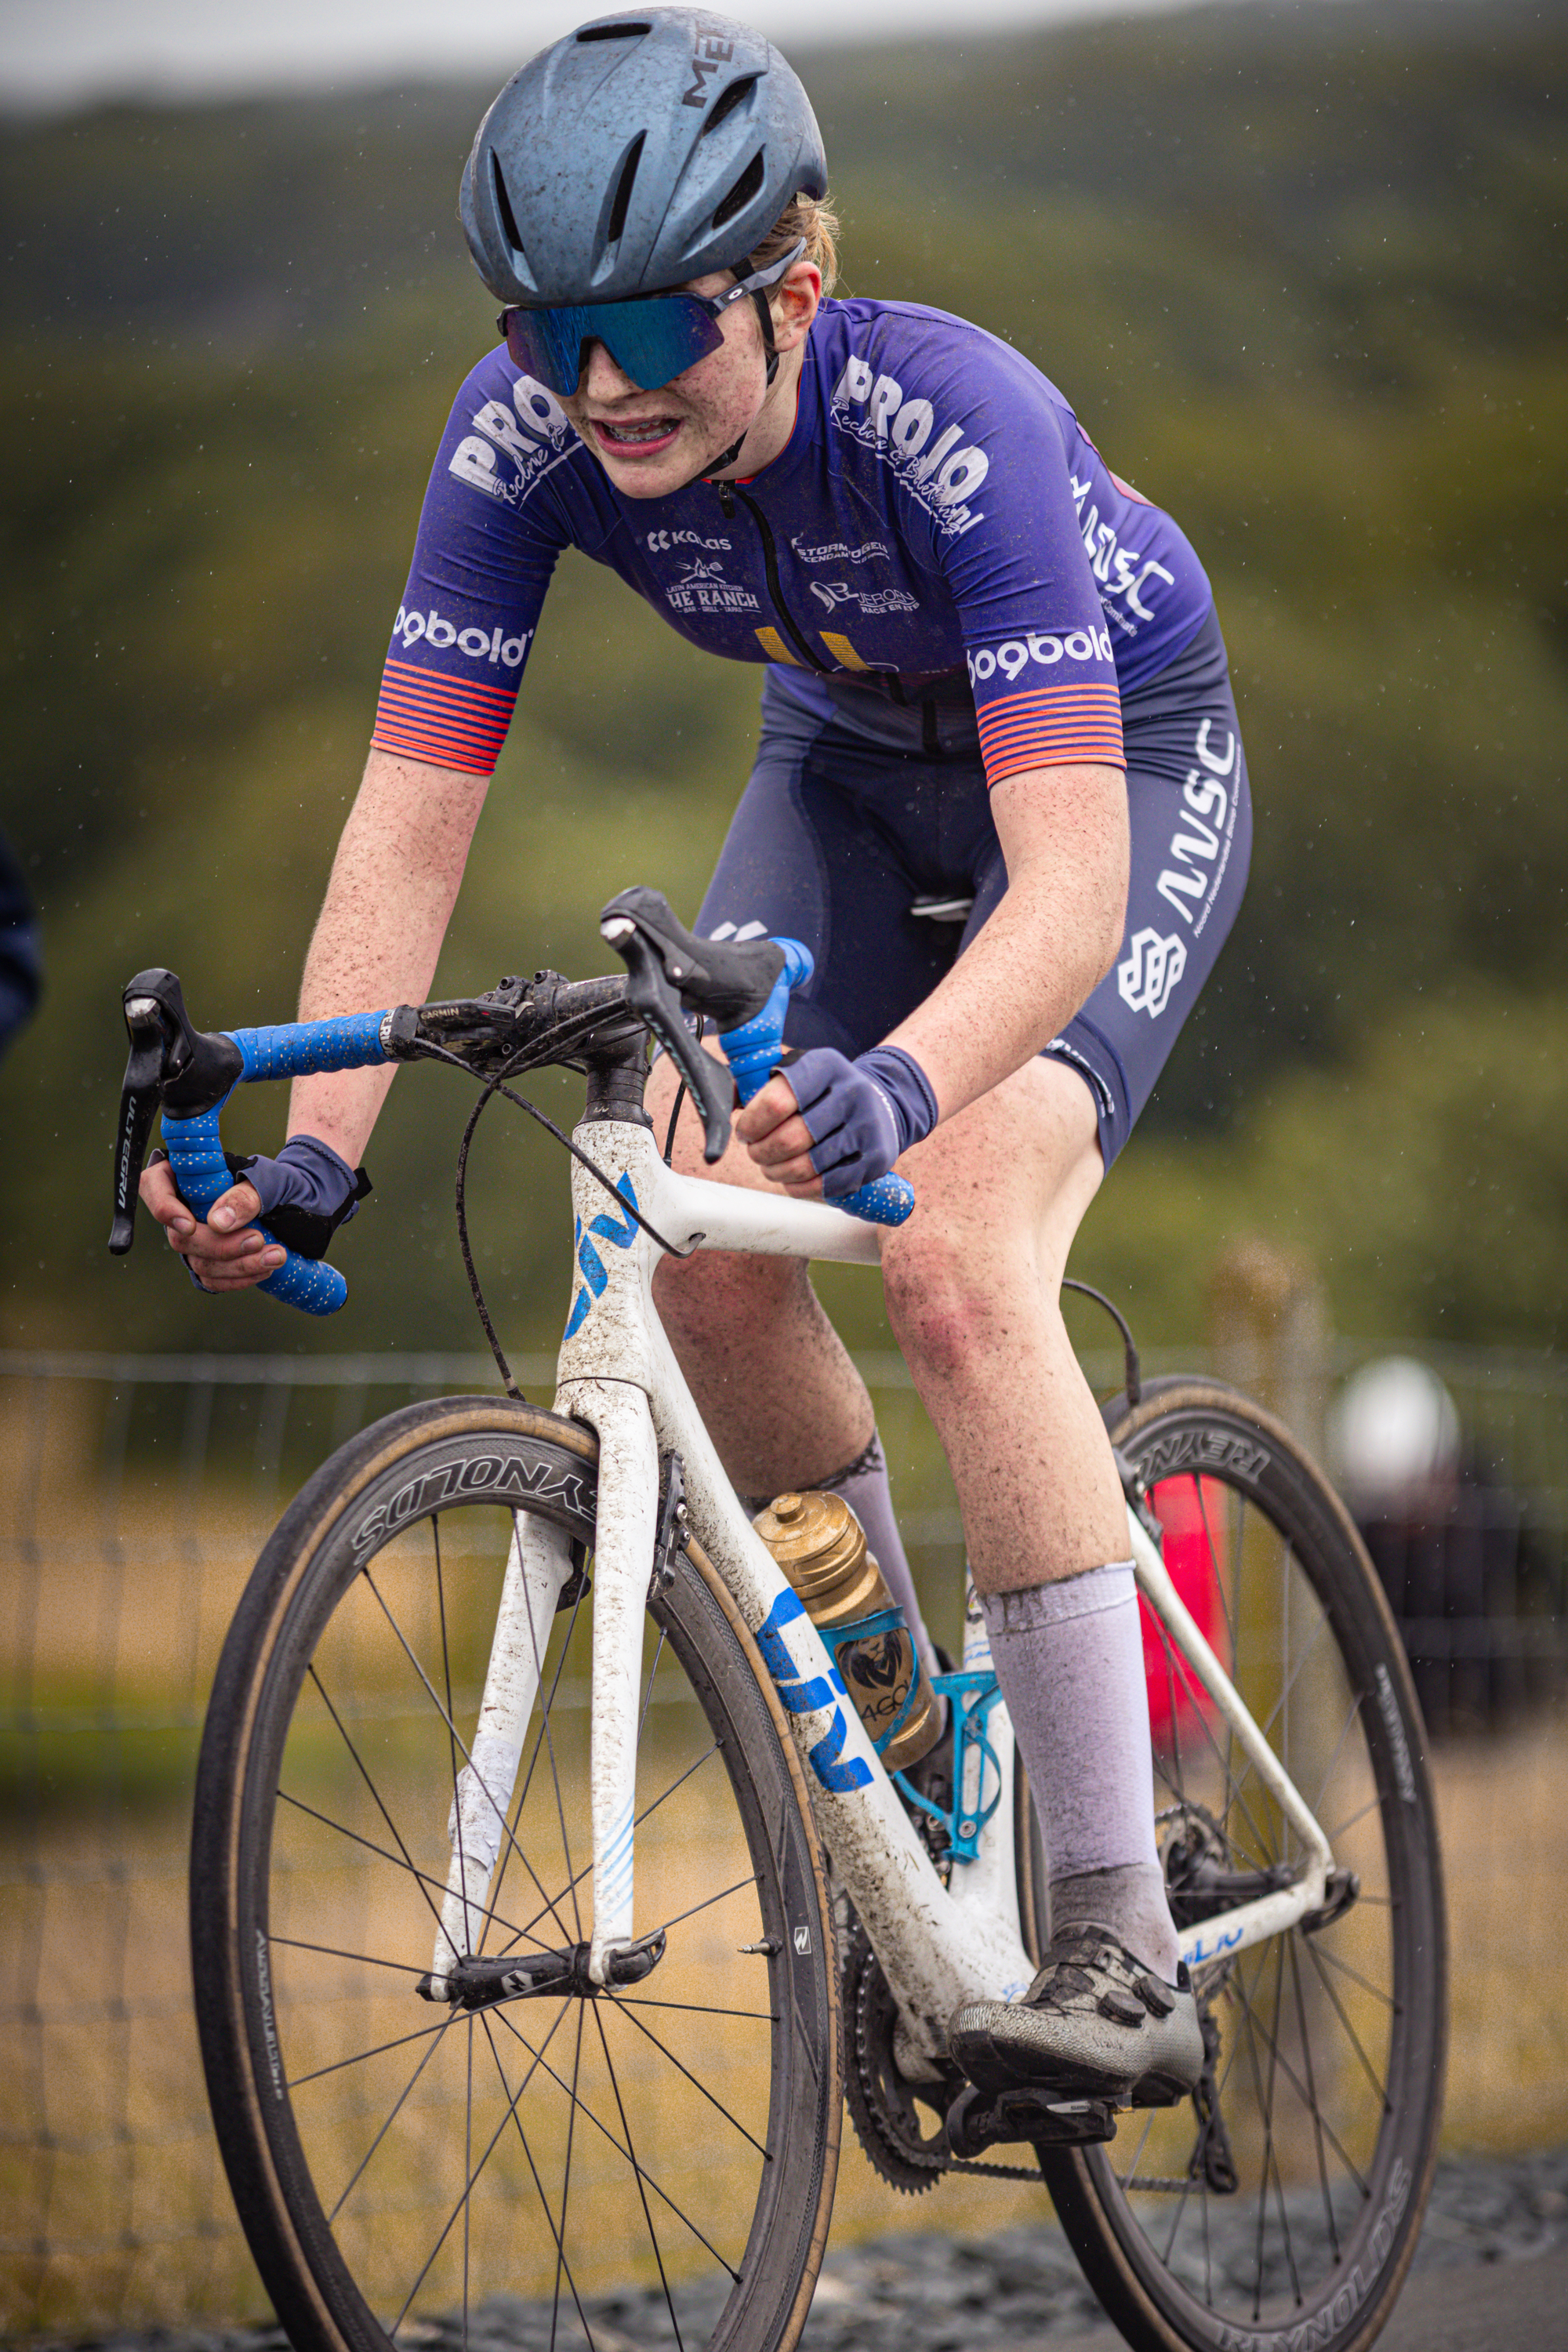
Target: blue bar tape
751, 1052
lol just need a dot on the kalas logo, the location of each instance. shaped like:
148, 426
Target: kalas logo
664, 542
1018, 653
478, 644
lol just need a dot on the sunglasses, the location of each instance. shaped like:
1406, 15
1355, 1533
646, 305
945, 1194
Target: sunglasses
652, 338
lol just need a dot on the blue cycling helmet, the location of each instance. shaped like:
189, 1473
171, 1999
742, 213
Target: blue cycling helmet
639, 152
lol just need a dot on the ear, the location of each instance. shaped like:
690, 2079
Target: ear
793, 304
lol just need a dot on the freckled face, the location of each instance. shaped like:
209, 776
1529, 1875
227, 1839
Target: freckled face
653, 443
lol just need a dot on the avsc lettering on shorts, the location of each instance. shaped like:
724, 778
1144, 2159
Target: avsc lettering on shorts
1200, 848
500, 1474
491, 645
905, 435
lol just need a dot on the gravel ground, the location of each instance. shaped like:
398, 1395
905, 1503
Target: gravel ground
936, 2293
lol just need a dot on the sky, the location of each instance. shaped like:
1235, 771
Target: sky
58, 53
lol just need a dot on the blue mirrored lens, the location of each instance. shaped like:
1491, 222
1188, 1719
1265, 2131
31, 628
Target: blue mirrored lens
650, 341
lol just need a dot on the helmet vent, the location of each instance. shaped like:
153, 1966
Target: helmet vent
503, 205
618, 32
623, 197
741, 194
728, 101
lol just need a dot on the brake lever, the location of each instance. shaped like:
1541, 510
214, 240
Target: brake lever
182, 1070
653, 998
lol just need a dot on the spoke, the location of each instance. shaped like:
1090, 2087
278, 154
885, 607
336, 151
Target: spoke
331, 1952
561, 2264
455, 1735
707, 1905
1372, 1806
473, 2176
697, 2008
297, 2082
387, 2126
456, 1816
1266, 2111
566, 2183
724, 2110
1284, 1699
1289, 2072
1367, 2067
586, 1870
1279, 2183
1339, 1750
1142, 2144
1312, 2089
1234, 1795
502, 2017
370, 1846
637, 2169
467, 2159
1356, 1977
539, 1734
648, 1697
375, 1797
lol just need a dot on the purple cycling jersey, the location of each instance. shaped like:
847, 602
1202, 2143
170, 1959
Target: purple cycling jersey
938, 527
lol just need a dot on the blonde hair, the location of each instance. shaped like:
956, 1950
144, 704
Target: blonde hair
813, 218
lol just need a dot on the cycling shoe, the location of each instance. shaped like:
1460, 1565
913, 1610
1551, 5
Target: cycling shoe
1095, 2023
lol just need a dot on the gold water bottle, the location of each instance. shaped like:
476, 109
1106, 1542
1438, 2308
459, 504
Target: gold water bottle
820, 1545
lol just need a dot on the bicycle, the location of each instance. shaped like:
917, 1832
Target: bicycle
520, 1967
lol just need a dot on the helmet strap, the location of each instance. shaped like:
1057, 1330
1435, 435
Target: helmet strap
743, 269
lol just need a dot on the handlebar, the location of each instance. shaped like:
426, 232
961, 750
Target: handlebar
189, 1075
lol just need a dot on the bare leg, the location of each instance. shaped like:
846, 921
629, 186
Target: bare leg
973, 1284
771, 1378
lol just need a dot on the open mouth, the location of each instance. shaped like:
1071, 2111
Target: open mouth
637, 432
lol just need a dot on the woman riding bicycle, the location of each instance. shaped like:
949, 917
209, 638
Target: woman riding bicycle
999, 793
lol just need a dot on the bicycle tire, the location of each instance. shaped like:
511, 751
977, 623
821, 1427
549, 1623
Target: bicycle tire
1332, 2182
283, 2015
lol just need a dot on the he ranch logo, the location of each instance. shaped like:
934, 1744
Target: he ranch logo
704, 589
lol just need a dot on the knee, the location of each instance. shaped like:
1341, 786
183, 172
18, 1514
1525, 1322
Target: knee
952, 1311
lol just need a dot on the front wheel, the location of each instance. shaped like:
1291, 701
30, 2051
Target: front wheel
411, 2172
1279, 2206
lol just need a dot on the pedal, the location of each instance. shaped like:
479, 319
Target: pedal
981, 2119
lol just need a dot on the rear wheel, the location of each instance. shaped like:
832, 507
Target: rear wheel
1280, 2205
411, 2172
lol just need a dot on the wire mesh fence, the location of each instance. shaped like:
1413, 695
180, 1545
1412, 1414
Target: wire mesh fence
137, 1491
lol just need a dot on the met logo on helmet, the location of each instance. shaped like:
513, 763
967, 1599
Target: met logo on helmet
708, 53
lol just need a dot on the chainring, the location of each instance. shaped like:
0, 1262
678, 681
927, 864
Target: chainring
901, 2125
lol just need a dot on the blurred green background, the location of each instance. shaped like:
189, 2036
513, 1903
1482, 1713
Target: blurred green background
1300, 272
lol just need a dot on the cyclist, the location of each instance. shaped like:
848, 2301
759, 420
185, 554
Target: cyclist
999, 791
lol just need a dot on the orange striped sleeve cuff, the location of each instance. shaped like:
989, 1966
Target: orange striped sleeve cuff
451, 722
1059, 727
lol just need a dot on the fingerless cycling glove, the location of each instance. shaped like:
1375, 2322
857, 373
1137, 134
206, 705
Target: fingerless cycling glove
860, 1115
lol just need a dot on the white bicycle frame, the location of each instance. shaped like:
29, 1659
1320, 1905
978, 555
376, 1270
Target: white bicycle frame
937, 1945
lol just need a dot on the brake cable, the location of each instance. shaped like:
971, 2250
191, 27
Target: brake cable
528, 1057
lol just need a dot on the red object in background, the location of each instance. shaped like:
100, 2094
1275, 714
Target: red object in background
1194, 1515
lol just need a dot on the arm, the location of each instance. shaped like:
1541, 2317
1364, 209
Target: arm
1052, 939
394, 882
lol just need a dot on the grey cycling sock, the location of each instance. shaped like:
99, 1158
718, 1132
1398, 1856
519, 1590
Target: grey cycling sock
863, 1483
1070, 1658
